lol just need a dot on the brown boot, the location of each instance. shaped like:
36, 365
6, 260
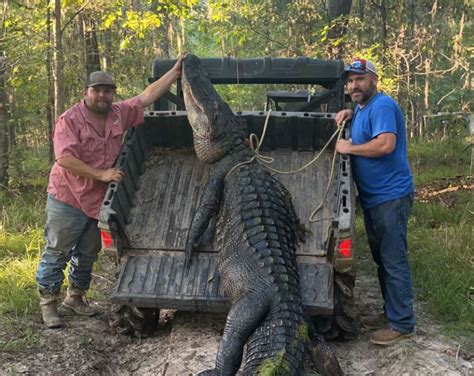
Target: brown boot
375, 322
74, 301
388, 336
49, 309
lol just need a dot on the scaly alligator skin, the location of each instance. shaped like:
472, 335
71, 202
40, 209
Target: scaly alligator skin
257, 233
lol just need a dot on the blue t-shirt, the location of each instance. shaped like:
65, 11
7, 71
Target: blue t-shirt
388, 177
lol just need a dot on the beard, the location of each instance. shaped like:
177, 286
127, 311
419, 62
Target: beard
361, 97
100, 108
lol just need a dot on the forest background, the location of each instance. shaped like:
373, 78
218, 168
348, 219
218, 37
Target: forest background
47, 48
423, 50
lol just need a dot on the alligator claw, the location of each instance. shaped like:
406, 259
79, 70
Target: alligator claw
209, 372
189, 248
188, 253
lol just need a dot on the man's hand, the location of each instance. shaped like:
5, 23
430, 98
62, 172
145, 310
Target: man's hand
178, 67
156, 89
343, 116
111, 174
379, 146
79, 168
344, 146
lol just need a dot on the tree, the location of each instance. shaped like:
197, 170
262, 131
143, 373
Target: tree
3, 128
3, 111
339, 11
92, 55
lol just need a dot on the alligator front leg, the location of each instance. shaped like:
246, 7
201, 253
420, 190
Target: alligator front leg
243, 318
207, 208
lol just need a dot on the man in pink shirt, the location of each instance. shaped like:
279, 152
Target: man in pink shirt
87, 140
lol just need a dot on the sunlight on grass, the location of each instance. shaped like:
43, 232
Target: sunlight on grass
19, 257
18, 292
17, 245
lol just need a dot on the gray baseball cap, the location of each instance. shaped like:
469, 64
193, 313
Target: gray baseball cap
100, 78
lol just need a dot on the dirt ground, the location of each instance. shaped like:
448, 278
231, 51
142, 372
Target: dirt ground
186, 343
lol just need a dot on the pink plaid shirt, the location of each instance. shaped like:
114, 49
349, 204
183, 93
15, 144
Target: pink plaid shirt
75, 135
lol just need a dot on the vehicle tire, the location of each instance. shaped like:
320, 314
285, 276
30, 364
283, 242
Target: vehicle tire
342, 324
134, 321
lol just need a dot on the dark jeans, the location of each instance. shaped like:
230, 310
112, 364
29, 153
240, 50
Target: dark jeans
71, 237
386, 226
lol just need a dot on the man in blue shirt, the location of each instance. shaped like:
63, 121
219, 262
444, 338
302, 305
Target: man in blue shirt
382, 174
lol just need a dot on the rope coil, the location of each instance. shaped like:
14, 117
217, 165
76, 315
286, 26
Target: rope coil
266, 160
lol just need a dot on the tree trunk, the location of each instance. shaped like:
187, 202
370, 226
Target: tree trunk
384, 16
359, 40
49, 96
161, 37
92, 57
383, 12
58, 62
107, 56
4, 150
426, 100
336, 9
339, 8
181, 38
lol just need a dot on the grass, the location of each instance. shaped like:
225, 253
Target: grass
442, 261
438, 158
441, 237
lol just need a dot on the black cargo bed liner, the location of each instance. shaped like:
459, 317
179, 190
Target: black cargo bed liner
171, 186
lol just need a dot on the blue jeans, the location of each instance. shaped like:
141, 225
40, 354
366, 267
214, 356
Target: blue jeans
72, 237
386, 227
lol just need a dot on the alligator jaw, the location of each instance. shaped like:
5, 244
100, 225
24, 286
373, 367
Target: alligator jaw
215, 127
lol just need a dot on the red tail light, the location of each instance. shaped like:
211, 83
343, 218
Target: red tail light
107, 240
344, 248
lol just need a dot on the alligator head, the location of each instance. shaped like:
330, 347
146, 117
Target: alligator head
216, 130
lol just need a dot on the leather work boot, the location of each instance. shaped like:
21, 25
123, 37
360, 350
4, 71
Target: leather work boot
74, 301
49, 309
388, 336
375, 322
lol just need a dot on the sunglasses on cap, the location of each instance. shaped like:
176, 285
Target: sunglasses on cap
361, 66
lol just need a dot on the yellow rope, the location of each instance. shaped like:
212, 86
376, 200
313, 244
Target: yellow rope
264, 160
315, 211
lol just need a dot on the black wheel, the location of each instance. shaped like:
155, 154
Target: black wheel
342, 324
140, 322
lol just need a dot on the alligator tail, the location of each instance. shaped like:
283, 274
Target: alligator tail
278, 346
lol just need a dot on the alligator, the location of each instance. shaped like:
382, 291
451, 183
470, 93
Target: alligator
256, 232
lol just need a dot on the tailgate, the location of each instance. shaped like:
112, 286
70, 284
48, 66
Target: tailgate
158, 279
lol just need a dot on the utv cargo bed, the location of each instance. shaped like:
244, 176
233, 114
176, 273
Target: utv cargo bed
145, 219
